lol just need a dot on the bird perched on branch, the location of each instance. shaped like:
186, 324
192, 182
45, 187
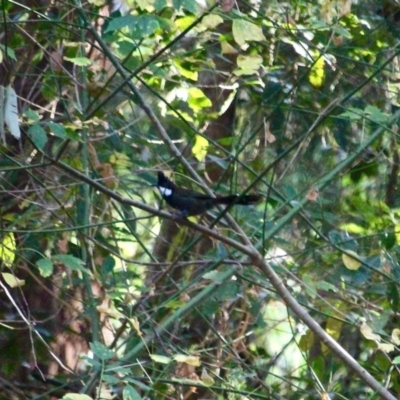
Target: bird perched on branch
189, 202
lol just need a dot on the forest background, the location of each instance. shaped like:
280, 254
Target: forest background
106, 294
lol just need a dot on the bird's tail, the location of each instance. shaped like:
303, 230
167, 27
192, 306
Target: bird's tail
236, 199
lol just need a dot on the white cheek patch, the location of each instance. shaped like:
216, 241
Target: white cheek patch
165, 191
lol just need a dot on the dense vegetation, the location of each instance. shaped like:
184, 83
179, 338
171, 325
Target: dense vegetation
105, 292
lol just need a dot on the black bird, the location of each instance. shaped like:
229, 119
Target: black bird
189, 202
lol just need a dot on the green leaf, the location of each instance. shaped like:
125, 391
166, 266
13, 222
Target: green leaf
376, 115
32, 115
250, 62
108, 265
101, 351
160, 4
340, 30
396, 360
327, 286
71, 262
352, 113
393, 295
58, 130
215, 276
188, 5
120, 22
144, 25
129, 393
110, 379
38, 136
246, 31
79, 61
9, 51
310, 285
45, 267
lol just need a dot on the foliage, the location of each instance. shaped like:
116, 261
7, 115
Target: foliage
105, 295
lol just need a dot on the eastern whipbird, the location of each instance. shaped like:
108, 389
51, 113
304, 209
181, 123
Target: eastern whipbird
189, 202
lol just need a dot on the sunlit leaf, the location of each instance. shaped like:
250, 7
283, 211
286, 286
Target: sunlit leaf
386, 347
197, 100
200, 148
8, 249
396, 336
191, 360
12, 280
79, 61
227, 48
211, 21
349, 262
248, 65
76, 396
301, 49
334, 327
185, 22
317, 72
185, 72
206, 378
368, 333
244, 31
160, 359
136, 325
352, 227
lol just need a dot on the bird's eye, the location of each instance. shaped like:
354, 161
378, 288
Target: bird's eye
165, 191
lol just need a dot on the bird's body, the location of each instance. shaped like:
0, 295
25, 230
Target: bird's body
189, 202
